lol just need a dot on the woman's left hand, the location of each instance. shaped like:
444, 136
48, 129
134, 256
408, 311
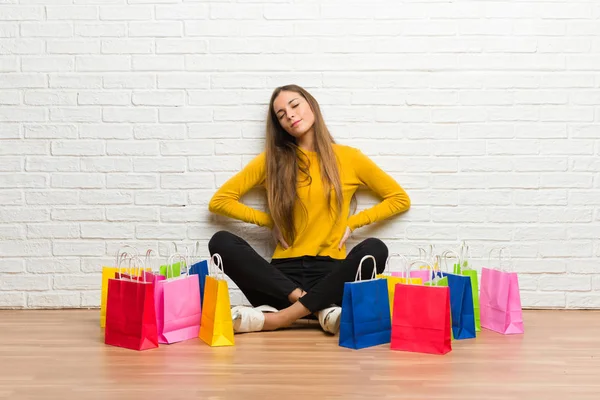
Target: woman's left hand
347, 234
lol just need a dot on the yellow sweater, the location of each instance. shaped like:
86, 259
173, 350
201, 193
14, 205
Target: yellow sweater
317, 233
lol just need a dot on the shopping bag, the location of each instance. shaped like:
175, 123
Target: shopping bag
216, 326
109, 272
500, 299
464, 268
179, 307
365, 319
199, 267
400, 278
130, 313
461, 301
421, 319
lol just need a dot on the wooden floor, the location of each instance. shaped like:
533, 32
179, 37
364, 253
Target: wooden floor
61, 355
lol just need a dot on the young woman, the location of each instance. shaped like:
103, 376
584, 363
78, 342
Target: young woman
310, 183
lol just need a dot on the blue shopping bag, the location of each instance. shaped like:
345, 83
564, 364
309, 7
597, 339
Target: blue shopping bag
200, 269
365, 319
461, 305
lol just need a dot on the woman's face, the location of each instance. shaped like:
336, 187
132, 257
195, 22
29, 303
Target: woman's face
293, 113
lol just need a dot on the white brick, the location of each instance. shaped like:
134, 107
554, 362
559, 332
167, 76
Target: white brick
187, 148
542, 300
11, 266
162, 131
539, 266
214, 131
567, 147
161, 232
53, 300
105, 98
23, 147
187, 214
485, 27
28, 248
131, 148
21, 46
571, 114
127, 46
161, 198
181, 46
78, 148
532, 164
94, 197
558, 215
221, 97
566, 249
512, 215
11, 164
90, 298
105, 131
9, 30
459, 148
11, 98
161, 165
106, 231
77, 282
513, 113
50, 131
50, 98
52, 231
565, 282
47, 29
22, 114
103, 63
25, 282
73, 47
129, 214
182, 12
583, 300
241, 11
9, 131
105, 29
431, 232
123, 114
462, 214
159, 98
221, 28
129, 81
257, 113
188, 114
488, 232
584, 232
126, 13
585, 131
206, 164
485, 197
77, 248
513, 147
158, 63
549, 131
78, 214
75, 114
51, 197
21, 181
446, 115
75, 81
131, 181
183, 80
596, 282
12, 300
201, 197
9, 197
486, 97
566, 180
72, 13
540, 197
21, 13
584, 197
105, 164
187, 181
541, 97
95, 264
155, 29
78, 180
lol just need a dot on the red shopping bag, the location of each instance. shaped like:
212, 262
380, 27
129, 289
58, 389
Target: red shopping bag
130, 313
421, 319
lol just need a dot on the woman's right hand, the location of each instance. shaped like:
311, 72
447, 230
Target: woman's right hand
279, 237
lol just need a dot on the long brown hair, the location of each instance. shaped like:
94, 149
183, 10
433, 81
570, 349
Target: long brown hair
284, 161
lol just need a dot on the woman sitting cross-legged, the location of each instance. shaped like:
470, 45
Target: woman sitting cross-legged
310, 183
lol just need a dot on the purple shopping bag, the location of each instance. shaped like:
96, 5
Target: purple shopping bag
178, 306
500, 300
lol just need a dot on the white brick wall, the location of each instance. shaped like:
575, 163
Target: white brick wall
119, 119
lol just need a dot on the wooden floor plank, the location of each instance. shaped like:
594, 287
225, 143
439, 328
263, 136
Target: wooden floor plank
60, 354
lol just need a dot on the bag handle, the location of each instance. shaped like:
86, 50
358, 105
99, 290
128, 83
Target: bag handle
123, 257
216, 268
465, 255
119, 252
387, 265
358, 276
147, 259
420, 262
170, 263
453, 254
500, 250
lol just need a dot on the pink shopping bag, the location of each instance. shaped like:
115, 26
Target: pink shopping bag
178, 306
500, 300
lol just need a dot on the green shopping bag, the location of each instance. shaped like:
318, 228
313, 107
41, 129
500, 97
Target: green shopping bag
172, 271
463, 268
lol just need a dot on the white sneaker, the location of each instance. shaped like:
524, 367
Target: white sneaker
329, 319
248, 319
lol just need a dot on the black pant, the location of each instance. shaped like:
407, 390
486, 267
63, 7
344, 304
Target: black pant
322, 278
